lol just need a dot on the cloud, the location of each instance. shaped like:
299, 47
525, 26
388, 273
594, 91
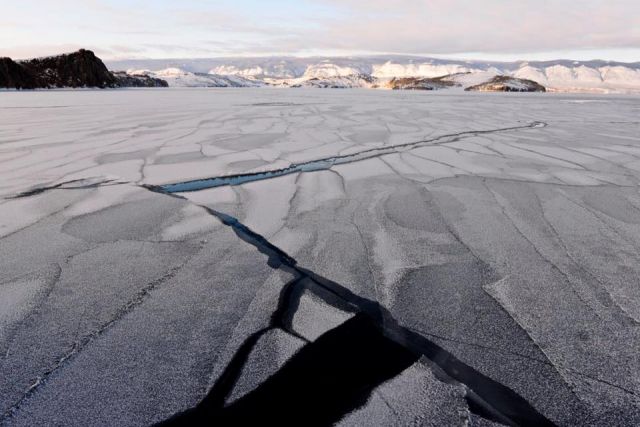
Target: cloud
244, 27
451, 26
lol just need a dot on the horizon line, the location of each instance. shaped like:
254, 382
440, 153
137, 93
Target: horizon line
443, 57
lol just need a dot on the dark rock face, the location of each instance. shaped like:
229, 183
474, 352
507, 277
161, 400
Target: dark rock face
508, 84
74, 70
419, 83
78, 69
142, 80
13, 75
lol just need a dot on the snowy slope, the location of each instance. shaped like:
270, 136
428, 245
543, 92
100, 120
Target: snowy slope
327, 69
472, 79
177, 77
395, 70
335, 82
266, 69
583, 78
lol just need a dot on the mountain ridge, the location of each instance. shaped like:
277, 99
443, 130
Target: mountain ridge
203, 65
557, 75
84, 69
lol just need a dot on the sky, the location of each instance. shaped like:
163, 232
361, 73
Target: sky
466, 29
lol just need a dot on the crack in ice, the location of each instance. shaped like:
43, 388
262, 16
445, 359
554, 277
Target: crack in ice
487, 397
329, 162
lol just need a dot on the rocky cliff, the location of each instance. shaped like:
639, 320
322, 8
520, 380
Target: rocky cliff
78, 69
13, 75
81, 69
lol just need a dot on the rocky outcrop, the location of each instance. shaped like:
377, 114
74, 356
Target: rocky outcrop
13, 75
78, 69
418, 83
81, 69
138, 80
508, 84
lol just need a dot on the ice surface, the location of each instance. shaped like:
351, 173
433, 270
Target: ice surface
511, 243
388, 406
17, 298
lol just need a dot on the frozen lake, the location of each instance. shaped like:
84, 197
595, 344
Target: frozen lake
358, 257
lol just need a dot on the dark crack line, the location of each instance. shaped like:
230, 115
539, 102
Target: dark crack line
400, 174
526, 181
603, 159
488, 147
386, 403
485, 347
329, 162
366, 252
343, 185
487, 397
76, 184
533, 359
290, 204
601, 381
549, 156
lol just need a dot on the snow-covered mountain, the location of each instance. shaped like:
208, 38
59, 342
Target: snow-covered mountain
335, 82
281, 70
328, 70
398, 70
580, 77
180, 78
377, 71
